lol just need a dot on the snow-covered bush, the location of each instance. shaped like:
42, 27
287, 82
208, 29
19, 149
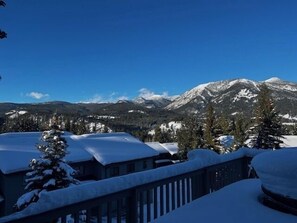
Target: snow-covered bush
50, 171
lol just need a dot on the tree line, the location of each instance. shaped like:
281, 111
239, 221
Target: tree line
264, 130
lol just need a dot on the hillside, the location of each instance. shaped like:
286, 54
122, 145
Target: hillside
228, 97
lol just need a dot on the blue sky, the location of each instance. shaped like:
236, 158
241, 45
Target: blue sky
105, 50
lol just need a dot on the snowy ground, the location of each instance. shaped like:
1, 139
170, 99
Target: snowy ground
237, 202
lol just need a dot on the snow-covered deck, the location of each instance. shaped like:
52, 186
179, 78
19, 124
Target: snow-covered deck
237, 202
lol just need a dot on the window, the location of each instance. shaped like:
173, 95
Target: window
144, 164
115, 171
80, 170
131, 168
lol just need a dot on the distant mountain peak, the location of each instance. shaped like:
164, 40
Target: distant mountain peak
155, 101
273, 80
231, 95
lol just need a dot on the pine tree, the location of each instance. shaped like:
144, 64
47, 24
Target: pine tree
189, 137
268, 128
211, 130
240, 132
223, 126
50, 171
162, 136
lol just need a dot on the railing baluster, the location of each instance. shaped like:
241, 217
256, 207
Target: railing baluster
76, 217
99, 214
167, 198
155, 202
161, 200
188, 190
64, 219
141, 207
88, 215
173, 195
132, 207
178, 192
148, 205
109, 212
119, 210
183, 192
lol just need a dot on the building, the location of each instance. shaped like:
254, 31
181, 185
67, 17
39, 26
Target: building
95, 156
168, 153
117, 153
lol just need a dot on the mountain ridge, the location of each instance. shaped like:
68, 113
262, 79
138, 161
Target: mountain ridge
229, 97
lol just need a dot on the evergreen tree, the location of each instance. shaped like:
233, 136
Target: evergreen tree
223, 126
50, 171
268, 128
211, 130
240, 132
295, 129
2, 33
189, 137
162, 136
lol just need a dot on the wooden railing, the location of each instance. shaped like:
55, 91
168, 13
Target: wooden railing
148, 201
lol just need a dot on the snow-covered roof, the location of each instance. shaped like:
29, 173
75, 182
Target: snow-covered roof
238, 202
17, 149
157, 146
172, 147
110, 148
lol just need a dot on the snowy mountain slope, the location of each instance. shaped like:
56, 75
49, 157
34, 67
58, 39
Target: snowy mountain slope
153, 102
237, 95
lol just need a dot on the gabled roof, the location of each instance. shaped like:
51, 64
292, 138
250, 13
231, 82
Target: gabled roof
17, 149
117, 147
157, 146
170, 147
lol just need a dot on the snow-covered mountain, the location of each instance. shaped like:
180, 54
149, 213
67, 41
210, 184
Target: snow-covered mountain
237, 95
153, 102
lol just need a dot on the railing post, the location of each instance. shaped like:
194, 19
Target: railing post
206, 182
245, 167
132, 208
196, 188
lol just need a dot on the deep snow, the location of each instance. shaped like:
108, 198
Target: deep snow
237, 202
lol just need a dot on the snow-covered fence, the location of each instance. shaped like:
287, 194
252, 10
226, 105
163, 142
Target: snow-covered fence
138, 197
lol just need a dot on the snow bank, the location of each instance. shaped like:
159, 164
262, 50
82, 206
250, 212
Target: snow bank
205, 156
289, 141
278, 171
226, 140
237, 202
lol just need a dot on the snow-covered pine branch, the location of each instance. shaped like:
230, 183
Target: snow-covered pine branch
50, 171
